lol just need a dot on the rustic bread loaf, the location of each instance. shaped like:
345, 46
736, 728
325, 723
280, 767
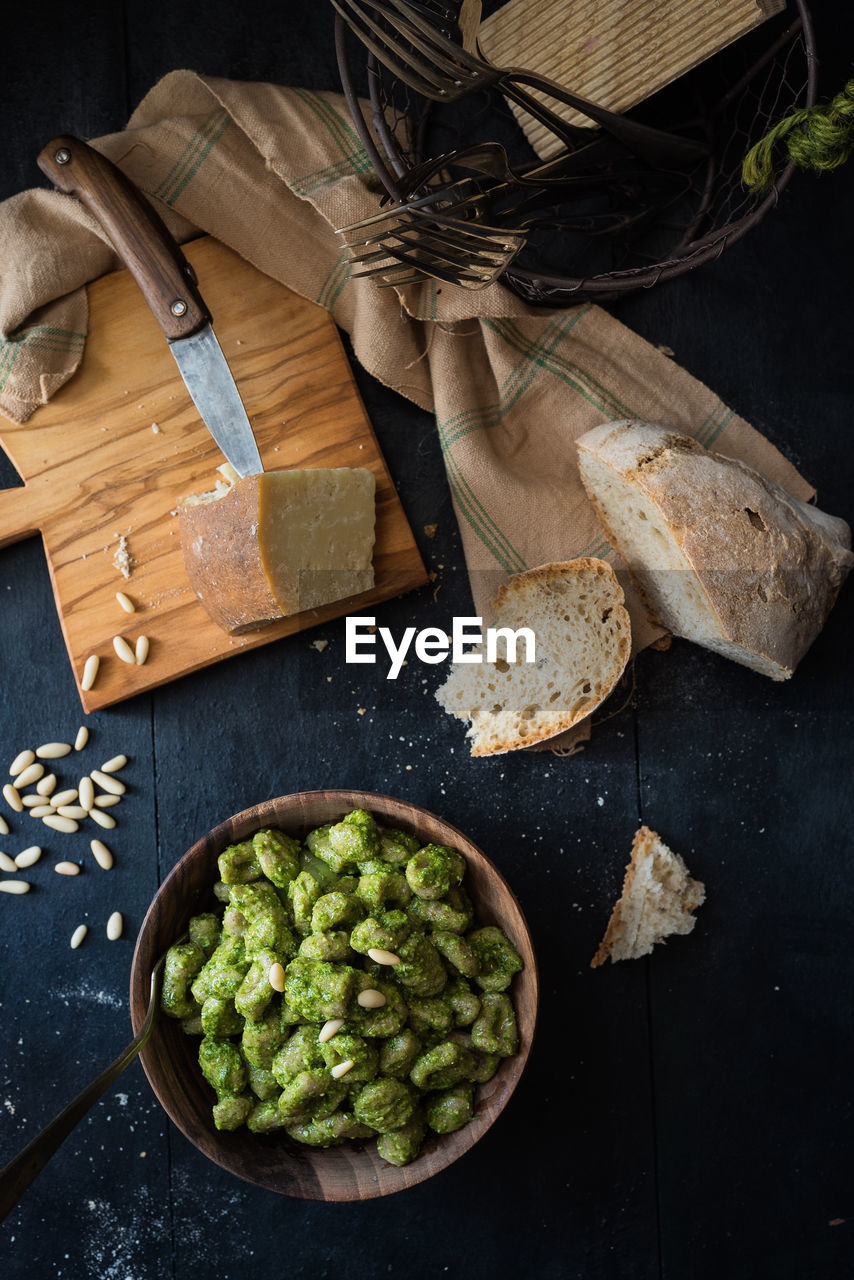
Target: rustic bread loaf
278, 543
657, 900
720, 554
583, 641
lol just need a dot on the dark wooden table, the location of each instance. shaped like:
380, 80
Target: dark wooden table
686, 1116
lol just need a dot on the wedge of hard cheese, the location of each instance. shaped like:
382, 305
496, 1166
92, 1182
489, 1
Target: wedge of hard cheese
279, 543
720, 554
658, 899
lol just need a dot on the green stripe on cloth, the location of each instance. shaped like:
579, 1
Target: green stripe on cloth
42, 338
480, 521
724, 422
590, 388
192, 157
514, 385
599, 547
333, 284
340, 130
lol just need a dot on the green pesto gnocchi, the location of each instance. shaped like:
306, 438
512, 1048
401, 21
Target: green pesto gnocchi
394, 1005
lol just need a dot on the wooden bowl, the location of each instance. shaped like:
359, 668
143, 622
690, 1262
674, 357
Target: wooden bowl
274, 1160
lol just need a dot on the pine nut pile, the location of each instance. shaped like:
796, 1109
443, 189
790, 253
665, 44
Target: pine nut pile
37, 791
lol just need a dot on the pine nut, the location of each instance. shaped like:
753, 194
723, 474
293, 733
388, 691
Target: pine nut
329, 1029
28, 857
111, 785
14, 886
12, 798
86, 793
101, 854
103, 819
21, 761
45, 785
123, 650
32, 773
114, 926
78, 935
7, 863
380, 956
141, 652
64, 797
67, 869
371, 999
53, 750
82, 738
342, 1069
4, 826
31, 801
276, 977
41, 810
106, 802
126, 603
113, 765
58, 823
75, 811
90, 671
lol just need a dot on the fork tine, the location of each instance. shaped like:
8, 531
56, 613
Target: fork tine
437, 41
426, 77
457, 193
403, 71
438, 269
440, 51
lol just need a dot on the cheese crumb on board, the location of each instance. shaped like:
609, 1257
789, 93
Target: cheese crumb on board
271, 545
122, 559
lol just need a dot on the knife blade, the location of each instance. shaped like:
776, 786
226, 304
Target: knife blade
167, 281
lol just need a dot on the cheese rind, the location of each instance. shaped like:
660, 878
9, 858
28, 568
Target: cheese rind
279, 543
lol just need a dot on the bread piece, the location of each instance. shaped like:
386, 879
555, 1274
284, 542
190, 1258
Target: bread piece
720, 554
583, 641
279, 543
657, 900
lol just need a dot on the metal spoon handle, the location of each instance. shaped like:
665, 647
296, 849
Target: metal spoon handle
28, 1164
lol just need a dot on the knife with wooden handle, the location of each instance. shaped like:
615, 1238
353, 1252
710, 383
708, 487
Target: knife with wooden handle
154, 258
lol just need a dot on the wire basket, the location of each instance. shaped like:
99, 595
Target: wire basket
735, 97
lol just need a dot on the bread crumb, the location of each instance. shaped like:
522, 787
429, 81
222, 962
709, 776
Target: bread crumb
665, 350
360, 711
430, 530
123, 560
319, 645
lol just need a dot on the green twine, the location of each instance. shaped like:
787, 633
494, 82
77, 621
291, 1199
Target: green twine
820, 138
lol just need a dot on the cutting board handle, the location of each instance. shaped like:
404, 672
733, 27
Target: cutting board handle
21, 514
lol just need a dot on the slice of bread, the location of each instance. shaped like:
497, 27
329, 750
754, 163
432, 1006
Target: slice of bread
657, 900
720, 554
583, 640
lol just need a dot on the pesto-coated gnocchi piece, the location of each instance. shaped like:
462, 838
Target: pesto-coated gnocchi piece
449, 1109
355, 1045
402, 1145
183, 963
385, 1104
494, 1030
497, 958
434, 870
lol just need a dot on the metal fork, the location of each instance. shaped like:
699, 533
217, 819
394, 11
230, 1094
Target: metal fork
455, 243
439, 68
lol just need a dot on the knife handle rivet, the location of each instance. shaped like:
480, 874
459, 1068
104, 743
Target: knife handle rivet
179, 307
62, 156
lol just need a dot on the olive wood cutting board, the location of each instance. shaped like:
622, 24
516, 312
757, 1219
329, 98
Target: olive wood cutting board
115, 449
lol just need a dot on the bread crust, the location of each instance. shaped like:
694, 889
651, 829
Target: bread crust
769, 566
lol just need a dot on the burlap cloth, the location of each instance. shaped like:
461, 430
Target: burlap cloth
271, 172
